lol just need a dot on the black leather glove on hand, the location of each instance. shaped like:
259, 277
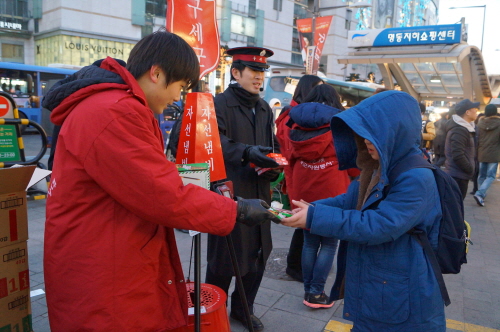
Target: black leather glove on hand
253, 212
257, 154
271, 175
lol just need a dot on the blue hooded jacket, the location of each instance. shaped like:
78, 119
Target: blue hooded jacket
389, 283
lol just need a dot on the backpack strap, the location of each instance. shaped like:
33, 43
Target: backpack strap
423, 240
418, 161
413, 161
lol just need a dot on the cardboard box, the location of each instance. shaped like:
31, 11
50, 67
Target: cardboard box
15, 312
13, 208
14, 273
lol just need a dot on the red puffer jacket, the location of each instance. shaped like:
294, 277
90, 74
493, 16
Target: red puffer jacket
111, 260
313, 159
283, 136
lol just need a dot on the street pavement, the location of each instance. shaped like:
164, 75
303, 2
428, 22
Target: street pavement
475, 292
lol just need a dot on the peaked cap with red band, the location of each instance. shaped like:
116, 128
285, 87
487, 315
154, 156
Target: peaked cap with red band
253, 57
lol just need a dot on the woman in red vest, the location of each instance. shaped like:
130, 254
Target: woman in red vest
305, 85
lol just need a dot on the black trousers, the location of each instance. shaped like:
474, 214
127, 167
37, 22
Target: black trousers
294, 257
462, 184
251, 284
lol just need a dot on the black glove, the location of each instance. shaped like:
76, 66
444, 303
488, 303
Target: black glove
253, 212
271, 175
257, 154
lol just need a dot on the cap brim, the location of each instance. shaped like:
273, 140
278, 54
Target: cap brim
255, 66
476, 105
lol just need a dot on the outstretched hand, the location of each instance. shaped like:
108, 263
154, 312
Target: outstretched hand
299, 217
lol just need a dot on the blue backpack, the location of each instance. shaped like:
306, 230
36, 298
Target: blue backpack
454, 231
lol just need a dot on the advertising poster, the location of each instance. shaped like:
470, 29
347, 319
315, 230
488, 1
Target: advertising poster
304, 26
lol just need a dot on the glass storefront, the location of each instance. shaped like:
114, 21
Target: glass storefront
78, 51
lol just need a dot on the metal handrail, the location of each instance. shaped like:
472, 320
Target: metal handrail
43, 135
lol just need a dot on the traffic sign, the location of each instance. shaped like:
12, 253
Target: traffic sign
5, 108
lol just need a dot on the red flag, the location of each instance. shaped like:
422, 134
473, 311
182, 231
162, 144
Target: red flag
304, 26
195, 21
199, 141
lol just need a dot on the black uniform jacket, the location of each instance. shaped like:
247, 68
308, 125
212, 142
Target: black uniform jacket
239, 127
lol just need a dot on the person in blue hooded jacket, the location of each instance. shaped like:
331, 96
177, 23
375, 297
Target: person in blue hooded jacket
389, 283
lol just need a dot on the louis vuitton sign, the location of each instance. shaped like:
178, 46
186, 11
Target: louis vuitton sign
78, 50
94, 48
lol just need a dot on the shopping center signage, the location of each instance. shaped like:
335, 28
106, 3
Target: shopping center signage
422, 35
10, 25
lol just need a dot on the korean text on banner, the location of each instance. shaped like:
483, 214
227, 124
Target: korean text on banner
195, 21
199, 140
306, 40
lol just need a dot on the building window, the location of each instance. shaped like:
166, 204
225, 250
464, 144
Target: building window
348, 19
156, 7
278, 5
15, 12
295, 41
12, 53
17, 9
243, 25
297, 59
252, 7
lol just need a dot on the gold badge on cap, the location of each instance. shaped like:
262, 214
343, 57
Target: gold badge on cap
263, 53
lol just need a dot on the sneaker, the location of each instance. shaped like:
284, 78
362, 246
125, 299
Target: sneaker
479, 200
306, 295
319, 301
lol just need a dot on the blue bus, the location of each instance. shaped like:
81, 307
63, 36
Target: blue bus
27, 84
280, 88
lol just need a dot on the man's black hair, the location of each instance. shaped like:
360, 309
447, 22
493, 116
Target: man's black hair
238, 66
305, 85
171, 53
325, 94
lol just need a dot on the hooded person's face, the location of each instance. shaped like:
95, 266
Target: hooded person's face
371, 150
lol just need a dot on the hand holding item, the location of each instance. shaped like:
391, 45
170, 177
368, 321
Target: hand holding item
253, 212
256, 154
299, 219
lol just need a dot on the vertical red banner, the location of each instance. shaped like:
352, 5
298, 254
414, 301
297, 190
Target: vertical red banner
199, 140
304, 26
195, 21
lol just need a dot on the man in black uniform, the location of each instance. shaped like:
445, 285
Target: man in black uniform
246, 129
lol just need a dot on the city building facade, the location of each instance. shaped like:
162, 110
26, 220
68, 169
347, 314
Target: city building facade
72, 34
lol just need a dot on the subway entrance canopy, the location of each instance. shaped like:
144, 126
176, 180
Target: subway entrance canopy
428, 62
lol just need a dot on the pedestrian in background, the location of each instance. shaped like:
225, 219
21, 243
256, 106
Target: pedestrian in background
305, 85
460, 144
245, 123
428, 129
488, 151
439, 141
110, 255
315, 166
389, 283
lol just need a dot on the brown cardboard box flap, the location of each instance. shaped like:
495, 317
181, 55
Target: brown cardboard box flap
15, 179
